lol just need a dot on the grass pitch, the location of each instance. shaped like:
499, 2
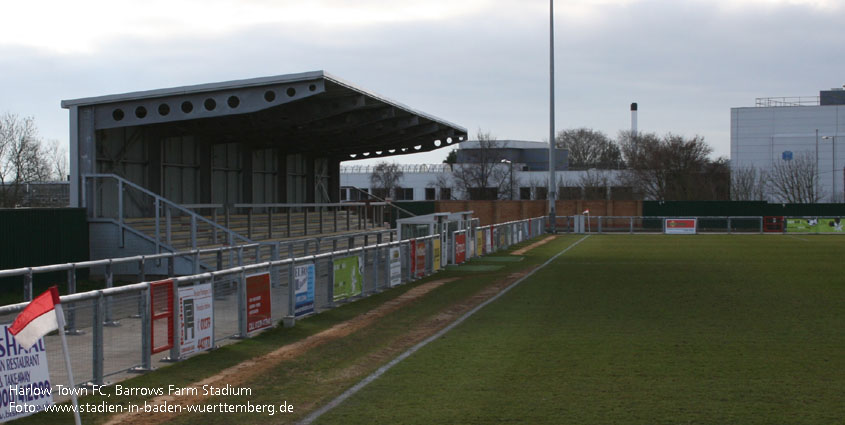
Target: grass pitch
640, 329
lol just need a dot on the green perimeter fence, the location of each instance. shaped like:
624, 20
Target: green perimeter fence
702, 224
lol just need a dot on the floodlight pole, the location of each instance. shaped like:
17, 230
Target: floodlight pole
552, 190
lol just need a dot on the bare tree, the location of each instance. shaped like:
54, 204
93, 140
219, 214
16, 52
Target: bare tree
594, 184
483, 175
673, 168
795, 181
444, 184
57, 158
748, 184
22, 158
589, 148
385, 179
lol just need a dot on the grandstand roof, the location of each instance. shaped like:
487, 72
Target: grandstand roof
304, 112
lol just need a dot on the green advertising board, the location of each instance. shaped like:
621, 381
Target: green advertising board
814, 225
348, 280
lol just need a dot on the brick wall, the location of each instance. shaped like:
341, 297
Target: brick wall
491, 212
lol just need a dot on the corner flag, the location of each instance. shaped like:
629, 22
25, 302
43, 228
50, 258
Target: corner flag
37, 319
43, 315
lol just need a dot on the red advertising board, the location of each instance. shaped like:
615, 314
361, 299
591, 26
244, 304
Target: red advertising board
258, 307
460, 248
773, 224
161, 314
680, 226
419, 259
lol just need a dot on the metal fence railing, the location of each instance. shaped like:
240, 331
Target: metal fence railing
149, 311
171, 226
197, 260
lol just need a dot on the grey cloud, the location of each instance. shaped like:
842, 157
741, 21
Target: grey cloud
686, 63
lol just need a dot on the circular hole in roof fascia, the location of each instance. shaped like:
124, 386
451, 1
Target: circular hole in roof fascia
391, 150
353, 155
117, 114
291, 92
448, 140
417, 147
404, 149
366, 154
163, 109
437, 143
187, 106
209, 104
461, 138
312, 87
379, 152
140, 112
269, 95
233, 101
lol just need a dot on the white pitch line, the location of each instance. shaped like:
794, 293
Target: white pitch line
800, 239
380, 371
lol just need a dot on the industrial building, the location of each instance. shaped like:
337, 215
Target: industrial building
782, 128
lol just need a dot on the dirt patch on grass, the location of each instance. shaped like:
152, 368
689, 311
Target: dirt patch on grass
533, 245
254, 368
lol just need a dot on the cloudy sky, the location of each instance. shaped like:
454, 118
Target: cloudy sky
482, 64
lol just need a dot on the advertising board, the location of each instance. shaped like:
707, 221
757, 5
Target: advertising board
814, 225
348, 279
419, 258
303, 279
395, 266
437, 254
460, 248
680, 226
25, 382
258, 304
196, 324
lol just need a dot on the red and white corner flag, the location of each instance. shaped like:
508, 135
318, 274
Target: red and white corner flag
587, 211
43, 315
37, 319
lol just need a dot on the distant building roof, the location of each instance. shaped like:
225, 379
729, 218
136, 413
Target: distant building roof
510, 144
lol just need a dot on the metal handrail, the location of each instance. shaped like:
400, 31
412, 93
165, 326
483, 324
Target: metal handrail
285, 205
384, 201
29, 271
165, 201
83, 296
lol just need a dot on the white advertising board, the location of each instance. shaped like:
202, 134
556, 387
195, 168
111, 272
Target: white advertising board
25, 378
196, 324
395, 266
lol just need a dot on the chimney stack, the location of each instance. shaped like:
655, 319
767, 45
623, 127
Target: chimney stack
634, 119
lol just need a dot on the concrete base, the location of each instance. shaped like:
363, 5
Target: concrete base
289, 321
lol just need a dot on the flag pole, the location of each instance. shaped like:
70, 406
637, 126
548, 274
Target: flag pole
60, 317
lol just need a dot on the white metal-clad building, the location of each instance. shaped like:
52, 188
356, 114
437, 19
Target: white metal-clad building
781, 129
523, 165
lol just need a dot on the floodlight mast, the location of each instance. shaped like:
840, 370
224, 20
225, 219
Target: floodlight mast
552, 192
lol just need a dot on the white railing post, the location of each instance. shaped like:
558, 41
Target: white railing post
157, 204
